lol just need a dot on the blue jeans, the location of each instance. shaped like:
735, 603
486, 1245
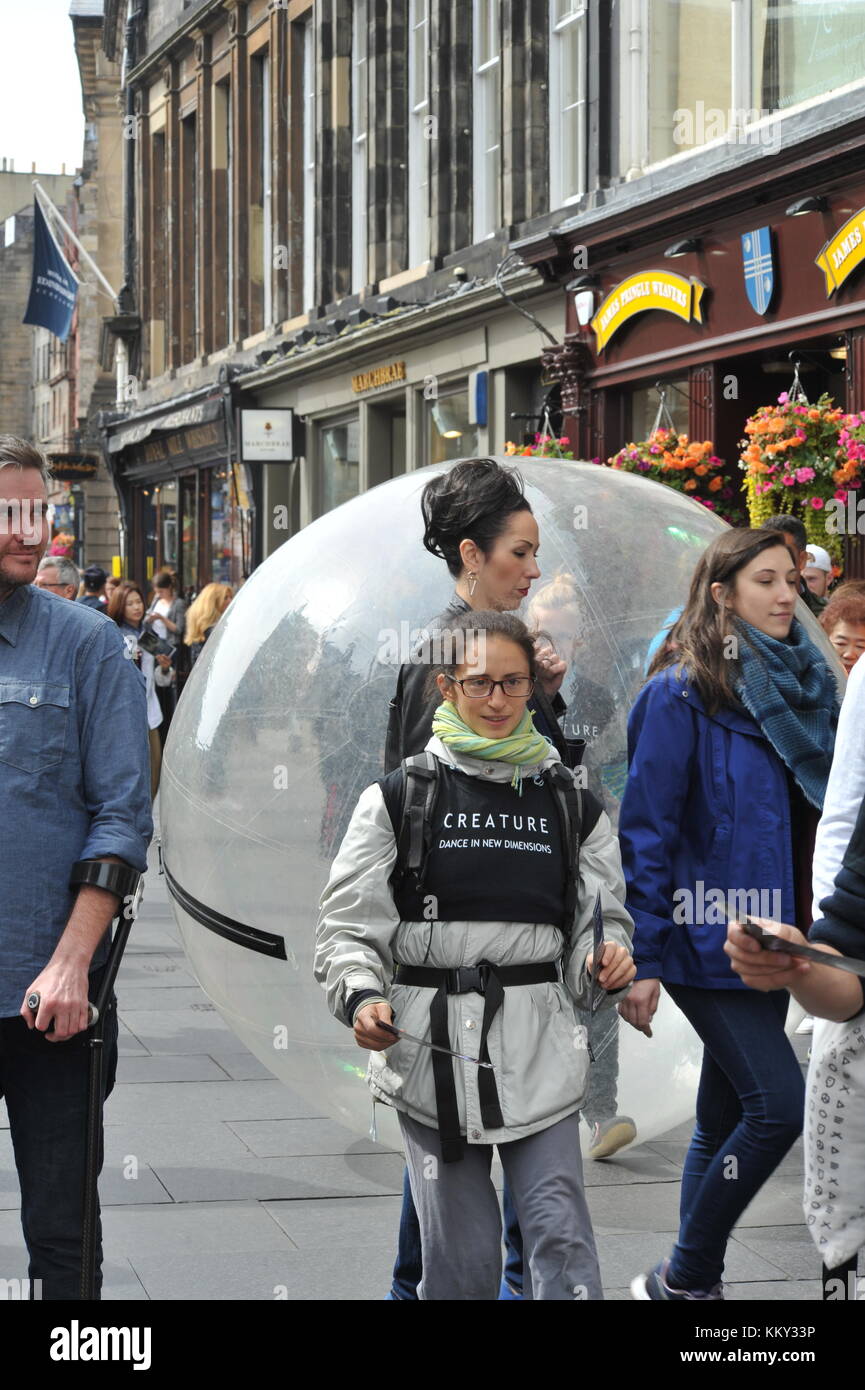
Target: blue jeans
45, 1085
750, 1108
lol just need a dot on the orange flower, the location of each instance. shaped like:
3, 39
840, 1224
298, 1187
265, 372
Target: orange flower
778, 426
814, 414
701, 469
715, 484
690, 485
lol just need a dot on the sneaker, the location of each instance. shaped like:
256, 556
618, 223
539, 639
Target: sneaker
807, 1025
608, 1136
653, 1287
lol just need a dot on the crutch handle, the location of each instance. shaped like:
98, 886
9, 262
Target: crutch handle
34, 999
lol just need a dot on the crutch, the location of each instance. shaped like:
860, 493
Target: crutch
95, 1098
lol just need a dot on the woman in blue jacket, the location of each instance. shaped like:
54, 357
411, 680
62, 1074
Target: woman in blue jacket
729, 745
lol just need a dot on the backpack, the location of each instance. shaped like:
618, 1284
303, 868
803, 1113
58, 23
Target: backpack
410, 794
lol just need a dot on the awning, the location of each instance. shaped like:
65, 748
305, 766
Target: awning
197, 414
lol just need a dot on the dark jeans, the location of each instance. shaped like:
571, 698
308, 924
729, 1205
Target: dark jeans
45, 1086
750, 1109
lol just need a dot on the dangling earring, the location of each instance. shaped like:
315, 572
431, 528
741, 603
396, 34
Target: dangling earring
473, 583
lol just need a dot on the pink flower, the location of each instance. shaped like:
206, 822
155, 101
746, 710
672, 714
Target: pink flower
804, 475
707, 502
788, 480
816, 503
783, 398
841, 495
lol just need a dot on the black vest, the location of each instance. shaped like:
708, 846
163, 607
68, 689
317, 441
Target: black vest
494, 855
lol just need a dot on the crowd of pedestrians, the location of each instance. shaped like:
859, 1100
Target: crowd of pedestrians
480, 907
481, 910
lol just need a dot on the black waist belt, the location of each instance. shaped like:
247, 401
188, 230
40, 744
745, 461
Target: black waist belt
490, 981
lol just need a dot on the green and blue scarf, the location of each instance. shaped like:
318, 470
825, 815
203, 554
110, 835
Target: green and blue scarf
524, 747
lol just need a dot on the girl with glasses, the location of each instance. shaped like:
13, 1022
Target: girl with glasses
487, 955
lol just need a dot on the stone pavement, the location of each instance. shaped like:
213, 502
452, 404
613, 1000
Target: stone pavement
220, 1183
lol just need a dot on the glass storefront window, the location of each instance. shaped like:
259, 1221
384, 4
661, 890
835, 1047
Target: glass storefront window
644, 408
189, 532
449, 434
340, 460
220, 527
165, 499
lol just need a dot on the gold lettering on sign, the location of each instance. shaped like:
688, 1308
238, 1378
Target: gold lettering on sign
379, 376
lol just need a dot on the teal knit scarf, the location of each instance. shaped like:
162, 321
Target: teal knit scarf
525, 746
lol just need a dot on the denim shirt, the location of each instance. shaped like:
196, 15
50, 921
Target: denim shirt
74, 771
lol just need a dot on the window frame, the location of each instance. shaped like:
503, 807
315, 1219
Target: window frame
561, 28
487, 125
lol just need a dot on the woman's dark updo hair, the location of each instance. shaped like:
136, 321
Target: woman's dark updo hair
472, 501
446, 646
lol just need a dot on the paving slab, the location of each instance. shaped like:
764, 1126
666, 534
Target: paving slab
790, 1248
186, 1067
164, 1031
209, 1228
268, 1179
141, 975
343, 1221
624, 1256
242, 1066
173, 1143
637, 1165
634, 1207
192, 1102
360, 1275
127, 1043
163, 996
273, 1138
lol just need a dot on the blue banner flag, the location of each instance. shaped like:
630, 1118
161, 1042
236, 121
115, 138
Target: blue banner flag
54, 286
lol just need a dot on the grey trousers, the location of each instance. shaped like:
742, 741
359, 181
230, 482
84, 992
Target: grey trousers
461, 1224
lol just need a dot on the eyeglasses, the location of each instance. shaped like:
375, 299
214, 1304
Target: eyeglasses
46, 585
480, 687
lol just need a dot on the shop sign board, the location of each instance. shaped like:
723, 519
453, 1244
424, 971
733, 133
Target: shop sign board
759, 268
267, 436
378, 376
650, 289
846, 250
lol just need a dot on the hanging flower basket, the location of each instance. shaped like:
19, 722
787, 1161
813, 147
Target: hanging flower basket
688, 466
545, 446
796, 457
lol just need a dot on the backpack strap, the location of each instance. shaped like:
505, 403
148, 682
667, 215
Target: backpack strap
410, 793
570, 807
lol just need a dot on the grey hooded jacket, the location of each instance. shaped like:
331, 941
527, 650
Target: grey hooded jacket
537, 1044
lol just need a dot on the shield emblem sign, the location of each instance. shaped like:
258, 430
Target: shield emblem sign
759, 268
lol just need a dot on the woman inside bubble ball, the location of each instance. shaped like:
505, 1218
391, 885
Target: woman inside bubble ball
478, 520
730, 744
496, 974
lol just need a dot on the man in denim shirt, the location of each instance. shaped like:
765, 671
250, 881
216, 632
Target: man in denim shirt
75, 785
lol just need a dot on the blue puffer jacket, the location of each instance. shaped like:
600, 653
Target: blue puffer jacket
706, 803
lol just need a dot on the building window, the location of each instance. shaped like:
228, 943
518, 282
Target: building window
567, 87
189, 531
449, 434
158, 259
339, 452
190, 318
223, 227
645, 403
261, 207
708, 68
487, 143
418, 132
308, 165
359, 146
221, 544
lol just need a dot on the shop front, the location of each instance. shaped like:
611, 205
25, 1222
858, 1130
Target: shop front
396, 400
713, 313
187, 502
